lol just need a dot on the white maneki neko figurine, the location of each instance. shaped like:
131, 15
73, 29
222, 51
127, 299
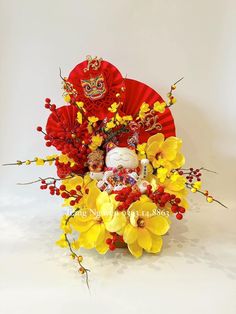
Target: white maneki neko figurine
122, 169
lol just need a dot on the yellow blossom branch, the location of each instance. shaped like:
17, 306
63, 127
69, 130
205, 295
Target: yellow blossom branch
211, 199
79, 258
28, 162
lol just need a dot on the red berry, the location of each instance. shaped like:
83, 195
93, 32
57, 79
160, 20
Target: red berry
47, 106
53, 107
112, 247
39, 129
52, 192
87, 191
181, 172
48, 100
65, 195
179, 216
181, 210
43, 181
48, 144
109, 241
62, 187
72, 203
78, 188
177, 200
160, 189
174, 208
73, 192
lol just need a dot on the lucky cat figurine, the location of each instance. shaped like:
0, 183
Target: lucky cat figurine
122, 169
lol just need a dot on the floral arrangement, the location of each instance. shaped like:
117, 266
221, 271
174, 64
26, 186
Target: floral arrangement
119, 163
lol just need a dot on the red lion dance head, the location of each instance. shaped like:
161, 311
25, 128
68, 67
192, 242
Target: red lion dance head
96, 83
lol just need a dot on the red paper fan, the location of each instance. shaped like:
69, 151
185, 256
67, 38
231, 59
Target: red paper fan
135, 95
62, 122
113, 81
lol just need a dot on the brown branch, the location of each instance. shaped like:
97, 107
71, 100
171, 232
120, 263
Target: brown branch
190, 186
86, 270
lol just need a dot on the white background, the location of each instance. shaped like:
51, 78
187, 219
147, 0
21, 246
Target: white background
156, 42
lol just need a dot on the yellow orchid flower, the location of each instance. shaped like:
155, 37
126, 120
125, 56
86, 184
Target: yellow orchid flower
96, 220
145, 227
87, 187
164, 152
162, 174
159, 107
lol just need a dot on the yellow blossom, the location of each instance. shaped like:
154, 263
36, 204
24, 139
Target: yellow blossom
141, 148
96, 142
79, 117
65, 226
50, 159
165, 152
80, 104
67, 98
159, 107
65, 159
143, 109
62, 241
113, 107
162, 174
145, 227
110, 125
197, 185
39, 161
92, 119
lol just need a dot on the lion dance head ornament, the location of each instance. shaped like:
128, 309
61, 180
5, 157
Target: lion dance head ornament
118, 161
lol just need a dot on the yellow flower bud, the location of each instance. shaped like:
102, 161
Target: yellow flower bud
82, 270
28, 162
67, 98
117, 95
173, 87
72, 255
210, 199
193, 190
80, 259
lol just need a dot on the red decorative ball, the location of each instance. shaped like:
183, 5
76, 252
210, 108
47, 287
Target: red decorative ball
179, 216
39, 129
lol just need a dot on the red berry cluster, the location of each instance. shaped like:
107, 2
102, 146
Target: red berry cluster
51, 185
112, 242
161, 198
64, 132
191, 174
75, 194
126, 196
